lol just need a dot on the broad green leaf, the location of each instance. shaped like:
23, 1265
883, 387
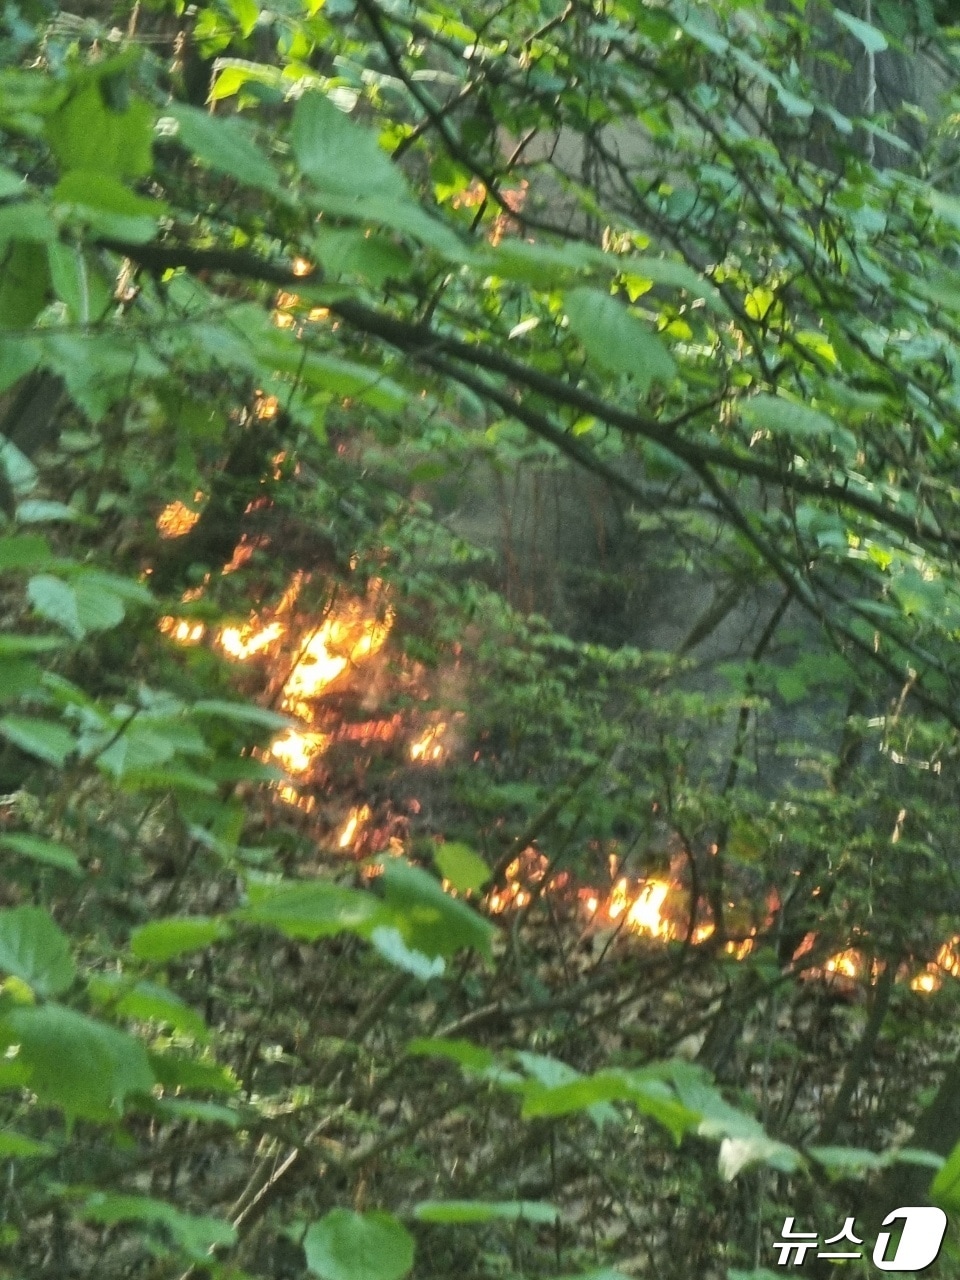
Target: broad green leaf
192, 1235
47, 741
579, 1094
389, 942
945, 1188
191, 1109
355, 253
38, 849
616, 340
340, 156
80, 606
358, 1246
86, 133
17, 1146
23, 285
20, 472
23, 551
540, 264
148, 1002
162, 940
872, 39
242, 713
33, 948
107, 207
228, 145
485, 1211
465, 869
313, 909
675, 275
44, 511
11, 184
18, 677
10, 645
233, 73
29, 222
246, 13
470, 1056
75, 1063
551, 1073
778, 414
139, 747
737, 1154
429, 919
176, 1072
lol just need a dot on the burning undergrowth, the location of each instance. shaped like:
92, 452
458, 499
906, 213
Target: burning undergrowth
369, 725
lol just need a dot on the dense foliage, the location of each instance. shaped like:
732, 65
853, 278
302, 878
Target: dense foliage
603, 365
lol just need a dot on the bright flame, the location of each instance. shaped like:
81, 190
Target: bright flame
244, 641
182, 631
428, 749
359, 816
339, 642
297, 751
177, 519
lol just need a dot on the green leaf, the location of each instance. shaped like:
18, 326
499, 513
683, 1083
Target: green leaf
148, 1002
340, 156
23, 551
470, 1056
485, 1211
16, 1146
430, 920
38, 849
107, 207
11, 184
777, 414
19, 677
162, 940
313, 909
34, 949
458, 863
191, 1109
358, 1246
176, 1072
675, 275
737, 1154
945, 1188
355, 253
246, 13
82, 1066
20, 472
389, 942
226, 144
193, 1235
873, 40
10, 645
86, 133
44, 511
83, 605
242, 713
49, 742
616, 340
551, 1073
23, 285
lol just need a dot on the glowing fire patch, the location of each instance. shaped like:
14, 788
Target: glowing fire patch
177, 519
297, 751
429, 748
359, 816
